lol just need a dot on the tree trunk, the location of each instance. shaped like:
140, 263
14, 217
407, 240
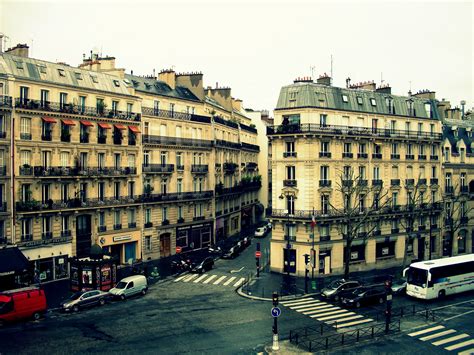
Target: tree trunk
347, 258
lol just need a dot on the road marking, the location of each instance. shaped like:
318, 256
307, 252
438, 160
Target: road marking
229, 280
295, 303
460, 345
181, 277
437, 335
451, 305
449, 340
327, 313
190, 278
344, 319
314, 307
240, 282
353, 323
459, 315
209, 279
219, 280
200, 278
338, 316
425, 331
307, 305
467, 352
321, 309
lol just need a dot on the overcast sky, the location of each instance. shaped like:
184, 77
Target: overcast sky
255, 47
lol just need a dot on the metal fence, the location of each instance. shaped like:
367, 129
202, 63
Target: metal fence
408, 311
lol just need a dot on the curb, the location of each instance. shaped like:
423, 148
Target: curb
283, 298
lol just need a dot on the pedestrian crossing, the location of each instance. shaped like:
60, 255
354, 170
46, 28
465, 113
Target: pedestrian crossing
449, 339
211, 279
328, 313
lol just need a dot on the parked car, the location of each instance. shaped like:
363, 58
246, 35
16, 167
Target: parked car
335, 288
22, 304
261, 231
204, 265
399, 287
84, 299
231, 253
246, 242
130, 286
364, 296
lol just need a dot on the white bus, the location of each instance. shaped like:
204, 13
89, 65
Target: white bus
441, 277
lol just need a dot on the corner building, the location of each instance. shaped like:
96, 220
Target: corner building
322, 133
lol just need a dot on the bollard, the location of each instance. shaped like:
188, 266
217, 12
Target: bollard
427, 315
357, 335
372, 331
401, 312
321, 328
290, 336
327, 342
296, 338
309, 346
413, 313
342, 339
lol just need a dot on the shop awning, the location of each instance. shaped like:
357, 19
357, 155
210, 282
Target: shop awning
120, 126
87, 123
12, 260
104, 125
69, 122
134, 129
49, 120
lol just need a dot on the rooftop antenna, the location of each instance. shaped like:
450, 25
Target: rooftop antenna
381, 78
31, 50
312, 68
331, 69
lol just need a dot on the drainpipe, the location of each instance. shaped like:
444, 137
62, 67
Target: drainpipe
12, 178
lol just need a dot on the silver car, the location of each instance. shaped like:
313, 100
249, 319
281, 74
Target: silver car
84, 299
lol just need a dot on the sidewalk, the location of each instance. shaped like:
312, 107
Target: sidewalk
294, 287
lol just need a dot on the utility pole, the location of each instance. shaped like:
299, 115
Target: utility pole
388, 310
306, 272
275, 345
258, 254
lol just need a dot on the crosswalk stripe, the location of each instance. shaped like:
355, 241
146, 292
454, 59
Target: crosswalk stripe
321, 310
354, 323
240, 282
187, 279
229, 280
467, 352
180, 278
209, 279
426, 331
460, 345
344, 319
437, 335
337, 316
316, 302
294, 303
449, 340
200, 278
219, 280
314, 308
327, 313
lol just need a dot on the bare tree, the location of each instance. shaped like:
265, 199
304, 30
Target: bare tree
359, 222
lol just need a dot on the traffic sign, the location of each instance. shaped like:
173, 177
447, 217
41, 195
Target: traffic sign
276, 312
258, 254
389, 297
178, 250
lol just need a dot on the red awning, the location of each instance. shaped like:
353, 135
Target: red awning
104, 125
134, 129
69, 122
120, 126
49, 120
87, 123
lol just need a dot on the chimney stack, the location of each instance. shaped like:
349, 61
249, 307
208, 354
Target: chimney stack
169, 77
324, 80
20, 50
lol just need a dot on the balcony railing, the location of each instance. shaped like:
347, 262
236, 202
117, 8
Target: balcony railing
200, 168
433, 181
325, 154
117, 226
65, 233
362, 155
347, 155
449, 189
289, 154
464, 189
158, 168
409, 156
363, 182
150, 111
251, 166
350, 131
25, 136
395, 230
395, 182
463, 220
199, 218
74, 203
48, 106
377, 156
146, 198
102, 139
377, 182
347, 183
3, 170
409, 182
226, 144
434, 157
28, 242
6, 101
47, 235
176, 141
101, 229
289, 182
251, 147
394, 156
421, 157
230, 167
3, 207
73, 171
65, 137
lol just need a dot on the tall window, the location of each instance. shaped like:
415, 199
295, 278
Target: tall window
164, 186
62, 100
82, 104
131, 189
131, 218
156, 107
131, 160
347, 173
290, 204
47, 230
25, 128
44, 98
394, 199
463, 179
101, 219
394, 148
347, 148
362, 173
448, 180
148, 215
324, 147
164, 214
117, 161
290, 173
64, 159
163, 157
26, 229
64, 192
324, 173
324, 204
24, 91
179, 159
101, 191
117, 219
179, 185
83, 160
180, 212
146, 158
101, 160
117, 190
64, 225
376, 173
290, 147
323, 120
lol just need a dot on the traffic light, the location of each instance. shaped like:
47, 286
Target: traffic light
388, 285
275, 299
306, 259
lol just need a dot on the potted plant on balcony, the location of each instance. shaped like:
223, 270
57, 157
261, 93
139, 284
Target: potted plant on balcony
165, 222
180, 220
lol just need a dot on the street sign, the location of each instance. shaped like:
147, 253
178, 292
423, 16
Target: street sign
258, 254
178, 250
389, 297
276, 312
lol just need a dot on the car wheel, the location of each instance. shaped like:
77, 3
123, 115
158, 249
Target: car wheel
357, 304
36, 316
101, 302
122, 297
75, 308
381, 300
144, 292
442, 294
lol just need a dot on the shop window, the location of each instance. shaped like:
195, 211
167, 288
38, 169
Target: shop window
385, 249
357, 253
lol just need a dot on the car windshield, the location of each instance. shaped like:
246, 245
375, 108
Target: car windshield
121, 285
76, 295
417, 277
335, 284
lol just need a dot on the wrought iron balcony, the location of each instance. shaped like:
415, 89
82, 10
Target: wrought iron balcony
434, 157
118, 226
289, 154
377, 182
158, 168
26, 170
377, 156
421, 157
347, 155
65, 233
251, 166
230, 167
395, 230
47, 235
175, 196
6, 101
150, 111
41, 171
325, 183
409, 182
179, 167
3, 170
73, 203
394, 156
395, 182
422, 182
464, 189
47, 136
176, 141
433, 181
101, 229
198, 218
325, 154
3, 207
148, 225
289, 182
25, 136
362, 182
421, 228
463, 220
200, 168
449, 189
251, 147
362, 155
102, 139
409, 156
65, 137
347, 183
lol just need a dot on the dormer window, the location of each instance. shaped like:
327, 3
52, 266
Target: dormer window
410, 109
42, 68
78, 76
292, 95
359, 100
19, 64
117, 83
428, 110
345, 98
94, 79
389, 102
373, 102
61, 72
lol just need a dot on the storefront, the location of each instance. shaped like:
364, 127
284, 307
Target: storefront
194, 236
385, 249
125, 247
14, 269
93, 274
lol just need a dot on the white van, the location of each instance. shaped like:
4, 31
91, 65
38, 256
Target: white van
130, 286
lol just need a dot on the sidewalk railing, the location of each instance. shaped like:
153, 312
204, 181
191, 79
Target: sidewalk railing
407, 311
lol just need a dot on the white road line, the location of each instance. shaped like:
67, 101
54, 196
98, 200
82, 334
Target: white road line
229, 280
467, 352
458, 315
460, 345
437, 335
449, 340
289, 303
190, 278
219, 280
425, 331
321, 309
240, 282
180, 278
209, 279
314, 308
306, 305
353, 323
327, 313
309, 300
338, 316
200, 278
344, 319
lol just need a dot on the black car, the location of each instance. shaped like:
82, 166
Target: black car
364, 296
84, 299
205, 265
231, 253
336, 288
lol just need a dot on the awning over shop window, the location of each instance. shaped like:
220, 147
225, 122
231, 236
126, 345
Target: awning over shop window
104, 125
12, 260
69, 122
134, 129
49, 120
87, 123
120, 126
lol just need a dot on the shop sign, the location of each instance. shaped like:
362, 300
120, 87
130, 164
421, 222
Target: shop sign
195, 226
60, 261
121, 238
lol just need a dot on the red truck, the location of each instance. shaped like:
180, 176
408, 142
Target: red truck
20, 304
